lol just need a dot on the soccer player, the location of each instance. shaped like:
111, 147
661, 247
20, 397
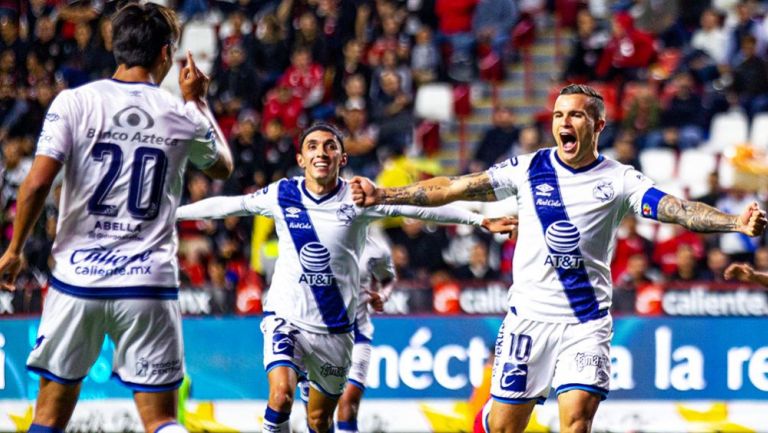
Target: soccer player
311, 304
124, 144
571, 199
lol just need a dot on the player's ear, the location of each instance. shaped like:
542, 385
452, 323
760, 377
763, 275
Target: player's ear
343, 160
599, 125
300, 161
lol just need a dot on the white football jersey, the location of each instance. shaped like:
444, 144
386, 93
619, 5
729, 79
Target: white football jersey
375, 264
124, 147
316, 282
567, 229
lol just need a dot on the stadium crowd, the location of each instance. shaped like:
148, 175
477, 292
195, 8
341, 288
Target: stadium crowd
282, 64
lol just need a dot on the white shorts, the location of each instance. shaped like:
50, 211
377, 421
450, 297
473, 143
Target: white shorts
361, 358
323, 358
532, 357
149, 348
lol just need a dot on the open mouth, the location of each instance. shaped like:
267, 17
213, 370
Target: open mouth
568, 140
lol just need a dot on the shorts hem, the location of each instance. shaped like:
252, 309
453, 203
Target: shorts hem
505, 400
142, 387
128, 292
318, 387
52, 377
272, 365
602, 392
356, 384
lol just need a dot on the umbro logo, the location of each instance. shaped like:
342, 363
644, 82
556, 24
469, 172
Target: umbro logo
292, 212
544, 189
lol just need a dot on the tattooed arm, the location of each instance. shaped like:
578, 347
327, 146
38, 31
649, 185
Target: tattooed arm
699, 217
432, 192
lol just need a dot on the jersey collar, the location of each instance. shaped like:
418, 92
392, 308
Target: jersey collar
323, 198
144, 83
588, 167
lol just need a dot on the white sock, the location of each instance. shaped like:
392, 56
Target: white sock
171, 427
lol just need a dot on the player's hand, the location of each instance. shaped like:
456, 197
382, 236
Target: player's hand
364, 191
739, 271
10, 265
376, 302
752, 221
503, 225
193, 82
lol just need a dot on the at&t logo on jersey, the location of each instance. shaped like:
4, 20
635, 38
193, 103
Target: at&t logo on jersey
514, 377
316, 261
562, 238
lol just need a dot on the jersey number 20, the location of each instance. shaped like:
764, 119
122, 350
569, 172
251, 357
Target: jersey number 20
142, 156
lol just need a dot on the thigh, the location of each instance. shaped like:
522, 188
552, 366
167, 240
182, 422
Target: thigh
508, 418
282, 345
524, 361
149, 347
156, 408
583, 362
361, 358
328, 360
69, 338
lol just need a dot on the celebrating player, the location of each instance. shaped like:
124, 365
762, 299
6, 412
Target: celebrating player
312, 301
571, 199
124, 143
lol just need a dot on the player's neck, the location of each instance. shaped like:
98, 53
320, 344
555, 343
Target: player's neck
135, 74
316, 187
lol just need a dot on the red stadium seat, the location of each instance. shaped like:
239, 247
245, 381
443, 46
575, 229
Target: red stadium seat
428, 137
462, 105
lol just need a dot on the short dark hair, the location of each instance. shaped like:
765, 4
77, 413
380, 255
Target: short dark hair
322, 126
140, 31
596, 105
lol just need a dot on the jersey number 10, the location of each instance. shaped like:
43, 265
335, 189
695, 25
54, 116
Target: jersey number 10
142, 156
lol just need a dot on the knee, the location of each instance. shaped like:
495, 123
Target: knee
319, 421
499, 424
575, 421
281, 398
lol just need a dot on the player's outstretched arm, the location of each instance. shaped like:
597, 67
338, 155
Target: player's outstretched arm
432, 192
700, 217
745, 273
213, 208
455, 214
30, 203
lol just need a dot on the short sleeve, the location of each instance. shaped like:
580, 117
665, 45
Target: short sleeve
642, 195
56, 138
505, 176
202, 146
260, 202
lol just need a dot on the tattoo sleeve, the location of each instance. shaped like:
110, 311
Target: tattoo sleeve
695, 216
441, 190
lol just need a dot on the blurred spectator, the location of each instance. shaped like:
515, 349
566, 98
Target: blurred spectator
750, 78
643, 116
628, 52
634, 279
625, 151
402, 262
748, 25
248, 152
687, 267
391, 109
586, 49
629, 243
529, 141
280, 153
194, 243
684, 112
11, 40
308, 36
220, 288
421, 241
425, 58
455, 25
493, 21
281, 103
304, 77
347, 66
660, 18
360, 138
717, 261
478, 267
715, 193
236, 80
498, 142
271, 52
711, 37
38, 99
336, 19
387, 41
390, 62
103, 61
46, 45
665, 252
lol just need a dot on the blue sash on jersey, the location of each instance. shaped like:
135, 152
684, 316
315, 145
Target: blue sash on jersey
578, 289
328, 296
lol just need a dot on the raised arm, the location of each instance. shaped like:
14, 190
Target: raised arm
454, 214
432, 192
745, 273
699, 217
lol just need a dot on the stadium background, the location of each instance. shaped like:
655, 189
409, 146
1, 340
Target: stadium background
422, 87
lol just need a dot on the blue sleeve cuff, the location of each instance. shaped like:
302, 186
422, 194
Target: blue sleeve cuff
650, 204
